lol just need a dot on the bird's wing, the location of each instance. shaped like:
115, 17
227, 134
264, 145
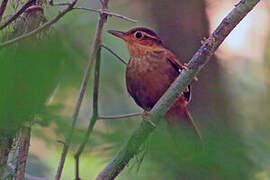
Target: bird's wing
176, 64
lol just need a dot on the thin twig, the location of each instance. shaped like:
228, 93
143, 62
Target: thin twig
93, 53
3, 8
113, 53
120, 116
101, 11
23, 144
15, 16
94, 116
200, 58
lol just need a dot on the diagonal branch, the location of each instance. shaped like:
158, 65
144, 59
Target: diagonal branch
3, 8
201, 57
15, 16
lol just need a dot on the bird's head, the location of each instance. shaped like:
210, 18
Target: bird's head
139, 40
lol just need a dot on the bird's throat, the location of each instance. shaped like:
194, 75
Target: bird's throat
139, 50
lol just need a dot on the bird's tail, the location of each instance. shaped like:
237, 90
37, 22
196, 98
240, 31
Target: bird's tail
193, 123
180, 117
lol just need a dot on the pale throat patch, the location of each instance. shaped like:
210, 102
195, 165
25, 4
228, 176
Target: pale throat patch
139, 50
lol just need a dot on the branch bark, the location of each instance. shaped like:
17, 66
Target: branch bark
3, 8
23, 144
201, 57
15, 16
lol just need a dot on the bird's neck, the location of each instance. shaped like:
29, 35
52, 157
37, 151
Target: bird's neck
139, 50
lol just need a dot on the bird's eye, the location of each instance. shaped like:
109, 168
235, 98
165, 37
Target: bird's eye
138, 35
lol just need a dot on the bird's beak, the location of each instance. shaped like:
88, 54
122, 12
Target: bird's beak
119, 34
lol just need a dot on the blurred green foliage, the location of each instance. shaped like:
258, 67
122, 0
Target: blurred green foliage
40, 78
29, 72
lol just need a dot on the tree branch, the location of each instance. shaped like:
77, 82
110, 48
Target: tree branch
113, 53
23, 144
93, 53
101, 11
197, 62
120, 116
94, 116
15, 16
3, 8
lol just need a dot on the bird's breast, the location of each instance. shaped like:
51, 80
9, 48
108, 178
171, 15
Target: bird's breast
148, 77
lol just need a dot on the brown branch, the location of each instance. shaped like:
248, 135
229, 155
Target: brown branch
201, 57
93, 53
94, 116
3, 8
5, 147
17, 14
101, 11
42, 27
121, 116
113, 53
23, 144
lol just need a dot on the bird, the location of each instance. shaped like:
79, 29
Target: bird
150, 71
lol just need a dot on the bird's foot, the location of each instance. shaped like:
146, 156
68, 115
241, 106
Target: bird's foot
185, 66
211, 40
147, 119
203, 40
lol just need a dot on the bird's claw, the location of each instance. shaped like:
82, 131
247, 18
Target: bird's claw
185, 66
147, 119
203, 40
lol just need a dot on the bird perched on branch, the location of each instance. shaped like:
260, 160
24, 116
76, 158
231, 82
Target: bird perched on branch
152, 68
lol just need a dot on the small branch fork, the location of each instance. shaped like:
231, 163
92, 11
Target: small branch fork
93, 52
23, 145
95, 115
70, 7
200, 58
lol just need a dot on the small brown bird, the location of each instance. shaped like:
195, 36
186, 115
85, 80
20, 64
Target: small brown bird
150, 71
